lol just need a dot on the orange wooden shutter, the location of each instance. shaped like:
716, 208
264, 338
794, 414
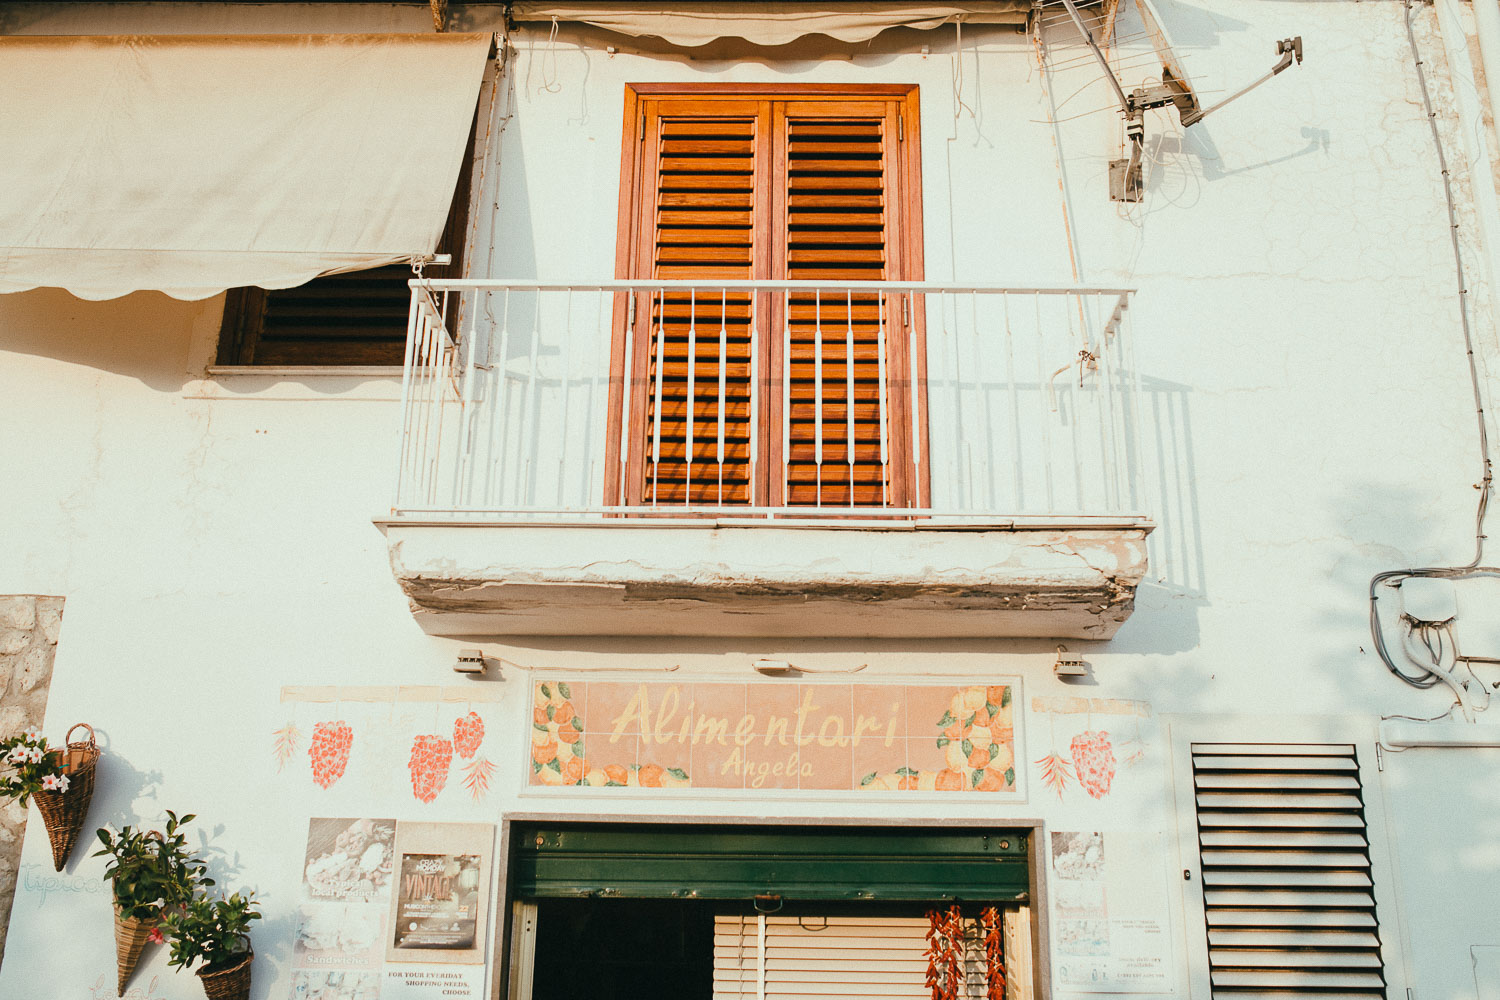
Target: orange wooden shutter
837, 228
734, 186
705, 192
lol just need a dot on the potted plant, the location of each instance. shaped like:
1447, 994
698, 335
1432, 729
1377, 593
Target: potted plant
216, 934
61, 780
151, 873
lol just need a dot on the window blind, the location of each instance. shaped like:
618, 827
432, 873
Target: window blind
817, 957
1287, 885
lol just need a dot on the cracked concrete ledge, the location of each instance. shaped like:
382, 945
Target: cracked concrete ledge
470, 580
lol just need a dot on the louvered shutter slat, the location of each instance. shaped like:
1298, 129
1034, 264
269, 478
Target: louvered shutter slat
1257, 938
1305, 819
1297, 979
1283, 780
1284, 859
1293, 878
1322, 956
1305, 839
1299, 750
1294, 917
1271, 762
1272, 801
1287, 889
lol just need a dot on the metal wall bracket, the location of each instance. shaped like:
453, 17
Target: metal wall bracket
1126, 182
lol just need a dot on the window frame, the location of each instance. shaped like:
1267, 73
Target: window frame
910, 481
1182, 731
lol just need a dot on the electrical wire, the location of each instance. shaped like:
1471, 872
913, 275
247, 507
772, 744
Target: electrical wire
1473, 568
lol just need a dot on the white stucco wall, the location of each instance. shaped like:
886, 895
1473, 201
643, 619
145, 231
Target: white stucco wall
1296, 327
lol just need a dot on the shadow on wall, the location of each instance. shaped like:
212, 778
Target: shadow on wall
1383, 529
122, 794
145, 336
1192, 27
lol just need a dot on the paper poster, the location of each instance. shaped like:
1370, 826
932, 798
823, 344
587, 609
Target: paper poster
1110, 912
378, 892
437, 911
434, 983
438, 902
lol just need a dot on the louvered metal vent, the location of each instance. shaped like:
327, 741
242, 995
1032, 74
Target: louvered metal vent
1287, 887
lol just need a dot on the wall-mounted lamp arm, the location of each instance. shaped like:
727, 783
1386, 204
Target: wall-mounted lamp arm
1289, 49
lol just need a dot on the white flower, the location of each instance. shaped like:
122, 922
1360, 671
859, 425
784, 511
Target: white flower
35, 755
33, 734
49, 783
18, 755
62, 782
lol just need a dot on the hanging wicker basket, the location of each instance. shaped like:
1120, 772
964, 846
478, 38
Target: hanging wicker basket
63, 812
232, 983
131, 935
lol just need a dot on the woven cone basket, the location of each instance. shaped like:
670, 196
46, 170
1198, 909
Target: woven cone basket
63, 812
232, 983
130, 940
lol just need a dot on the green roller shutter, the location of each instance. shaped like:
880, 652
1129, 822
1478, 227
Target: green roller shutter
565, 860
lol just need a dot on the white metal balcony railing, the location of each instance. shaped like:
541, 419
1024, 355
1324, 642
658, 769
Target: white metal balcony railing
1027, 412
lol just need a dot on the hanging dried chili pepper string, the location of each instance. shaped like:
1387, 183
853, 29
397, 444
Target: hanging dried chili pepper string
945, 953
994, 953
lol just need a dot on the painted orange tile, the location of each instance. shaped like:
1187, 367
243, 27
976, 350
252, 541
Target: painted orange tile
606, 701
669, 755
771, 766
828, 718
874, 757
715, 766
827, 767
726, 701
925, 706
773, 710
879, 705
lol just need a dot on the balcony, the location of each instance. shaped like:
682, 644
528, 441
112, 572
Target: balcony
564, 469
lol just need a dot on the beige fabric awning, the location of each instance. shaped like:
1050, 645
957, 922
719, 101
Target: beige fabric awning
698, 23
191, 164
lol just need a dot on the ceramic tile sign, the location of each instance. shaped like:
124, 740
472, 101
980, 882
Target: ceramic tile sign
776, 736
391, 910
1110, 913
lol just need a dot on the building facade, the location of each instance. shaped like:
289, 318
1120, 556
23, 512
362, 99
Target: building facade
815, 503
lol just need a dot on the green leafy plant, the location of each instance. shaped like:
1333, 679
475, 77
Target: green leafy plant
213, 931
32, 766
152, 871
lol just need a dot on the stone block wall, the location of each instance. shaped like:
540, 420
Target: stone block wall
28, 642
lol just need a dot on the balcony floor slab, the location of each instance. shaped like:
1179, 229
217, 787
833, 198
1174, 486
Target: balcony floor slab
688, 578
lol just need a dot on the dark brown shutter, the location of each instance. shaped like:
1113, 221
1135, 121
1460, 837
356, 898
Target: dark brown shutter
1287, 885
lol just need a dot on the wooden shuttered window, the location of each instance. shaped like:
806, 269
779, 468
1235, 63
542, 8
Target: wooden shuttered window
1288, 890
815, 407
356, 318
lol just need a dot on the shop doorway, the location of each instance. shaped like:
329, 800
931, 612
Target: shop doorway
625, 911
